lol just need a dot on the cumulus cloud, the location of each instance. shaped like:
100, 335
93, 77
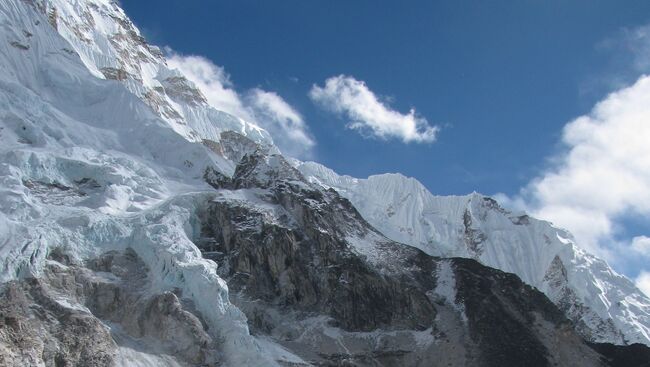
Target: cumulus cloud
352, 99
643, 282
263, 108
602, 174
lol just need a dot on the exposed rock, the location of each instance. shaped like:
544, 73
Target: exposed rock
473, 237
74, 314
311, 274
624, 356
114, 73
35, 329
158, 103
180, 89
235, 146
216, 179
567, 301
19, 45
53, 18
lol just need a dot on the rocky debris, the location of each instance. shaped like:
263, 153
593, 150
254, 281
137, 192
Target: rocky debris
75, 313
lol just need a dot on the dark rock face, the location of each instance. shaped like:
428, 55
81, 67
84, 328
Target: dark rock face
313, 275
114, 73
502, 313
35, 328
268, 260
622, 356
82, 314
180, 89
473, 237
567, 302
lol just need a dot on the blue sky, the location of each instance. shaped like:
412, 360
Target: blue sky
500, 79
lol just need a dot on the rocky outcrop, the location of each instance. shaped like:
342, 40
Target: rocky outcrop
311, 268
182, 90
88, 314
114, 73
35, 329
585, 320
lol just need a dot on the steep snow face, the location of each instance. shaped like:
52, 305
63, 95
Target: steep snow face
605, 305
111, 47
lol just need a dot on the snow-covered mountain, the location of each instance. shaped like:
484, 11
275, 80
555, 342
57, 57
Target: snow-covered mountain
121, 190
90, 165
606, 306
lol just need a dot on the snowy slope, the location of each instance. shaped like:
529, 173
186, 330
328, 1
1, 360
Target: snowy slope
605, 305
90, 165
111, 47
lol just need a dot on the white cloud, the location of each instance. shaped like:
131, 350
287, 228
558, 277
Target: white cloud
212, 80
352, 98
603, 172
641, 245
285, 124
643, 282
266, 109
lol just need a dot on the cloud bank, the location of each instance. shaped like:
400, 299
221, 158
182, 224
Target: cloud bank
352, 99
605, 170
263, 108
601, 177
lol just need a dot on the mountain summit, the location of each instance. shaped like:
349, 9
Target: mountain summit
139, 226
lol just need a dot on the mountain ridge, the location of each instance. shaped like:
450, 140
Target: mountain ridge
113, 166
